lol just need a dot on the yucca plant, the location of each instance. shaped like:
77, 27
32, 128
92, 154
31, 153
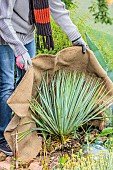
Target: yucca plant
66, 103
97, 52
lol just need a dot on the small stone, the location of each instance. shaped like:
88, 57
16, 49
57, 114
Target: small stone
2, 157
95, 150
4, 165
99, 142
35, 166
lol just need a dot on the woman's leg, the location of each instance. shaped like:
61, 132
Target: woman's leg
7, 76
7, 62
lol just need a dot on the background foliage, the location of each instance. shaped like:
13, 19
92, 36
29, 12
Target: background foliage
68, 3
104, 41
100, 12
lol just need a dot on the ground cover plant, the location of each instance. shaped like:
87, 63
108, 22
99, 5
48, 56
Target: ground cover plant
90, 162
103, 160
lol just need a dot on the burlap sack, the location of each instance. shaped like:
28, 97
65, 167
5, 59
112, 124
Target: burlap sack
69, 59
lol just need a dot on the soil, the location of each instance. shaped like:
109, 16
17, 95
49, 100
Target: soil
49, 157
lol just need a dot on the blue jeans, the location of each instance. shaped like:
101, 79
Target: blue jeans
7, 82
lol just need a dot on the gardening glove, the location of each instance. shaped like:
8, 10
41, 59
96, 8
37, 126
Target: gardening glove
23, 60
80, 42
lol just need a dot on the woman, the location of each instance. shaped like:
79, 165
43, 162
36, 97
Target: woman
18, 19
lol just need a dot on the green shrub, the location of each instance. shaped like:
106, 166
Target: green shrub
100, 12
66, 104
61, 40
68, 3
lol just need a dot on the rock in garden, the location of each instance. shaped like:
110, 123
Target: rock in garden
2, 156
95, 150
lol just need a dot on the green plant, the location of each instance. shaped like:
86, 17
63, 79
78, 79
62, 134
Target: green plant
63, 160
104, 43
99, 56
97, 52
61, 40
68, 102
109, 115
79, 162
100, 12
68, 3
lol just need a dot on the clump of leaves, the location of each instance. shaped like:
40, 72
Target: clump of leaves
79, 162
68, 3
100, 11
67, 103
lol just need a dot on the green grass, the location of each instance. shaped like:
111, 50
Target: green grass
99, 34
104, 41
